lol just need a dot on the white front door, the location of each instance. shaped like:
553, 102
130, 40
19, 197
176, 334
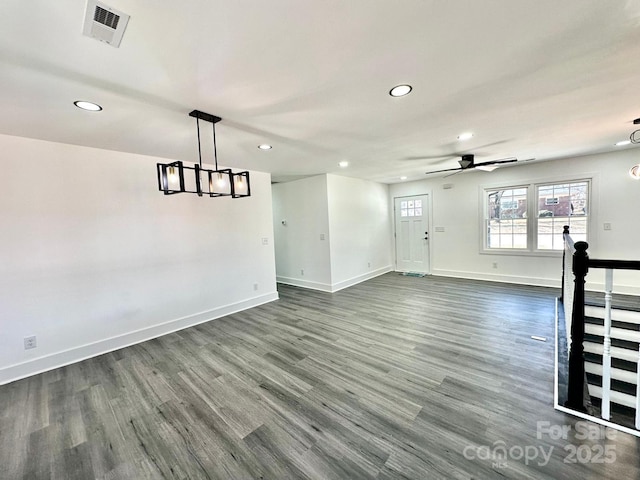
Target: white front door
412, 233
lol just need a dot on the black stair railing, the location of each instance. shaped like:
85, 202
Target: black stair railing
576, 382
581, 265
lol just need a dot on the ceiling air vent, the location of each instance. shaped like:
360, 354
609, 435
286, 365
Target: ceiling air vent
104, 23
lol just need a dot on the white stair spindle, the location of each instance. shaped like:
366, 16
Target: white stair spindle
606, 352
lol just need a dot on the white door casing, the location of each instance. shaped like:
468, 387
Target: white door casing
412, 233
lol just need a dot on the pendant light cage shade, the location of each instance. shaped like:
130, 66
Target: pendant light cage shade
219, 183
634, 172
171, 177
175, 177
241, 185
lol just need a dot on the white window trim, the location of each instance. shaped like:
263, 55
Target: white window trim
536, 186
483, 221
532, 186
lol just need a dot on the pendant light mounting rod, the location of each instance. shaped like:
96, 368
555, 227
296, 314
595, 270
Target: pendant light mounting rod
207, 117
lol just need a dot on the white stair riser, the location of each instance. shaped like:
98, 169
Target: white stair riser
616, 397
619, 333
616, 352
619, 315
616, 373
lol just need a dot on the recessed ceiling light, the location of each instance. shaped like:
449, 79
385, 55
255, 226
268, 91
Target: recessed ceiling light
400, 90
623, 143
264, 146
403, 178
92, 107
465, 136
343, 164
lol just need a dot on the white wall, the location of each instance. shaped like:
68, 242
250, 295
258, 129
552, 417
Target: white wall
93, 257
351, 214
302, 257
615, 199
360, 226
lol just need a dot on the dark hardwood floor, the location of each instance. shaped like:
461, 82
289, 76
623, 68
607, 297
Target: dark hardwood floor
396, 378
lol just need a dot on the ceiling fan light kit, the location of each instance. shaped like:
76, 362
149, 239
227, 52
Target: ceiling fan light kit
175, 177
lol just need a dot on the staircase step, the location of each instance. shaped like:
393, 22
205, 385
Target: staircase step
616, 397
615, 342
616, 386
614, 323
628, 355
624, 376
619, 314
617, 308
615, 362
617, 333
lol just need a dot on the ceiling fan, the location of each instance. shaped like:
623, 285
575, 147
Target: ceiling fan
467, 163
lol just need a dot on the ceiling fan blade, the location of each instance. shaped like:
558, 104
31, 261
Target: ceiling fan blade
495, 162
455, 173
487, 168
447, 170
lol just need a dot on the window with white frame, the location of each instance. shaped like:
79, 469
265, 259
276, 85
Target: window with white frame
530, 218
561, 204
506, 220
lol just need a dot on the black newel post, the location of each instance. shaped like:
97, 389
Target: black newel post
575, 394
565, 232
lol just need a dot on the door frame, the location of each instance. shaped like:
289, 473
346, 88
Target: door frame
429, 195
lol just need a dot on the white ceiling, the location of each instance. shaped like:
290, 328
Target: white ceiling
545, 79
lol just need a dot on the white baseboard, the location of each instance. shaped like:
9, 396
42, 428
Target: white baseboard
491, 277
333, 287
360, 278
45, 363
537, 281
297, 282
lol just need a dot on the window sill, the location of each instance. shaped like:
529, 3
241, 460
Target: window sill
523, 253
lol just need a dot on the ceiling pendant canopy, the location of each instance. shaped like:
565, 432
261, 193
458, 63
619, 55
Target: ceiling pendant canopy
175, 177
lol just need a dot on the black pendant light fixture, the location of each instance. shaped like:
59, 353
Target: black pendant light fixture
175, 177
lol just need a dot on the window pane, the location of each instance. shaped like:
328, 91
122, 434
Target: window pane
520, 233
418, 212
507, 218
418, 203
558, 205
411, 212
403, 212
410, 204
403, 204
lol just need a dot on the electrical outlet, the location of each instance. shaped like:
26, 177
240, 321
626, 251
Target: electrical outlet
607, 226
322, 236
495, 264
30, 342
265, 241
